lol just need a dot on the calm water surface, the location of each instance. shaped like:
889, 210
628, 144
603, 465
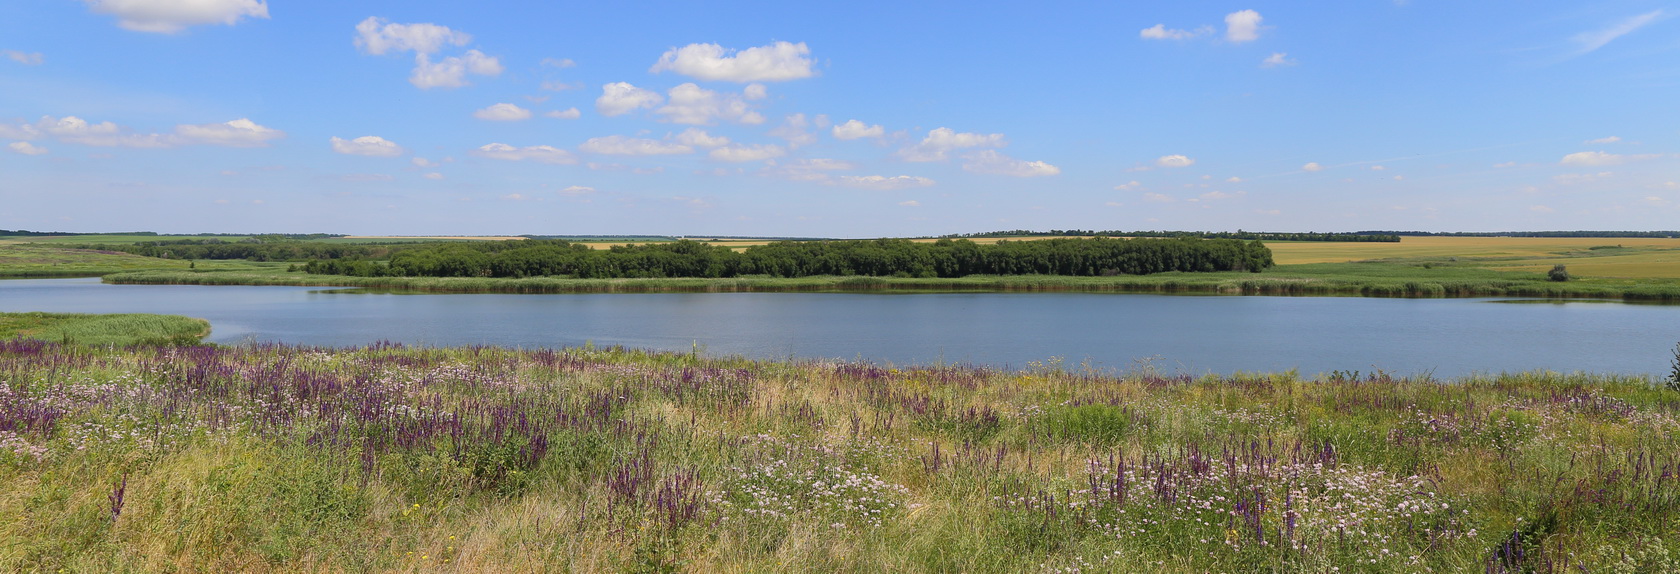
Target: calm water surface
1448, 337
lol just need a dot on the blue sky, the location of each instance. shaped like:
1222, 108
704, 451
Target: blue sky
846, 119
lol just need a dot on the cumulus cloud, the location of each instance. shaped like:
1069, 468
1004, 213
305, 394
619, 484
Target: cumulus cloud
941, 141
422, 162
1577, 178
536, 153
699, 138
1128, 186
372, 146
171, 16
744, 153
620, 145
566, 114
755, 92
994, 163
911, 203
25, 58
503, 112
777, 62
1174, 160
558, 62
237, 133
1242, 26
884, 183
808, 169
1162, 32
452, 72
434, 176
694, 105
1593, 40
854, 129
1312, 166
1601, 141
575, 190
1277, 59
1597, 158
27, 148
619, 98
1157, 198
794, 129
1233, 179
377, 36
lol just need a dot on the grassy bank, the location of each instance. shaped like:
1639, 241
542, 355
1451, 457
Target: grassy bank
389, 459
1335, 279
115, 329
25, 261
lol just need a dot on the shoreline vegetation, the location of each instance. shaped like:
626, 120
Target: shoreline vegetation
1300, 280
120, 329
385, 458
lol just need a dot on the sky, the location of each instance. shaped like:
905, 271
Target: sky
837, 119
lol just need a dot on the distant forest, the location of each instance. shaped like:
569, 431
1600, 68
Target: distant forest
1358, 237
879, 257
1605, 234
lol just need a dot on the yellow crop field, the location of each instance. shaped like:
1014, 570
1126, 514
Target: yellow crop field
1613, 257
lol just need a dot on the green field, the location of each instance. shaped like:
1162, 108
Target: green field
102, 330
390, 459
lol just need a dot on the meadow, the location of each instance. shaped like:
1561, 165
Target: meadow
120, 329
273, 458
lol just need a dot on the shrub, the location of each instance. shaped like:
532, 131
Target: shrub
1558, 273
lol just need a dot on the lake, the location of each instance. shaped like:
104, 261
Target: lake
1191, 334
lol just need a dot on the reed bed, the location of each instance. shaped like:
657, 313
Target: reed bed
273, 458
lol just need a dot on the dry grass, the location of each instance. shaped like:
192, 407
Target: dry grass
1641, 258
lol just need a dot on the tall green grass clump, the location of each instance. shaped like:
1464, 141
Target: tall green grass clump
105, 330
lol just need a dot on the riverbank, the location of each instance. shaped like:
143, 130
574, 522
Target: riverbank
1322, 279
389, 459
101, 330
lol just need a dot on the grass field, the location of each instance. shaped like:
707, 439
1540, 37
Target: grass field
391, 459
1590, 257
36, 260
100, 330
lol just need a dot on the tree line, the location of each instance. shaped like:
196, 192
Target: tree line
281, 250
878, 257
1356, 237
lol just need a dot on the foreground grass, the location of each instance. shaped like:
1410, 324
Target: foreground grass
104, 330
391, 459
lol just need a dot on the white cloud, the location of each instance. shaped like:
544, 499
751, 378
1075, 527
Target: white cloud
575, 190
1243, 26
911, 203
1399, 178
793, 130
434, 176
536, 153
566, 114
1277, 59
881, 182
1377, 168
1218, 195
559, 86
1162, 32
992, 162
237, 133
854, 129
1174, 161
809, 169
1601, 141
558, 62
1505, 164
376, 36
171, 16
71, 129
27, 148
694, 105
25, 58
1540, 209
366, 177
452, 72
1597, 158
1128, 186
422, 162
941, 141
744, 153
755, 92
777, 62
1233, 179
1312, 166
699, 138
619, 98
503, 112
620, 145
372, 146
1577, 178
1157, 198
1590, 41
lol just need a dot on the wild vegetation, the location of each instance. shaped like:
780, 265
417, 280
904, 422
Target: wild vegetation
390, 459
1355, 237
104, 330
875, 258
